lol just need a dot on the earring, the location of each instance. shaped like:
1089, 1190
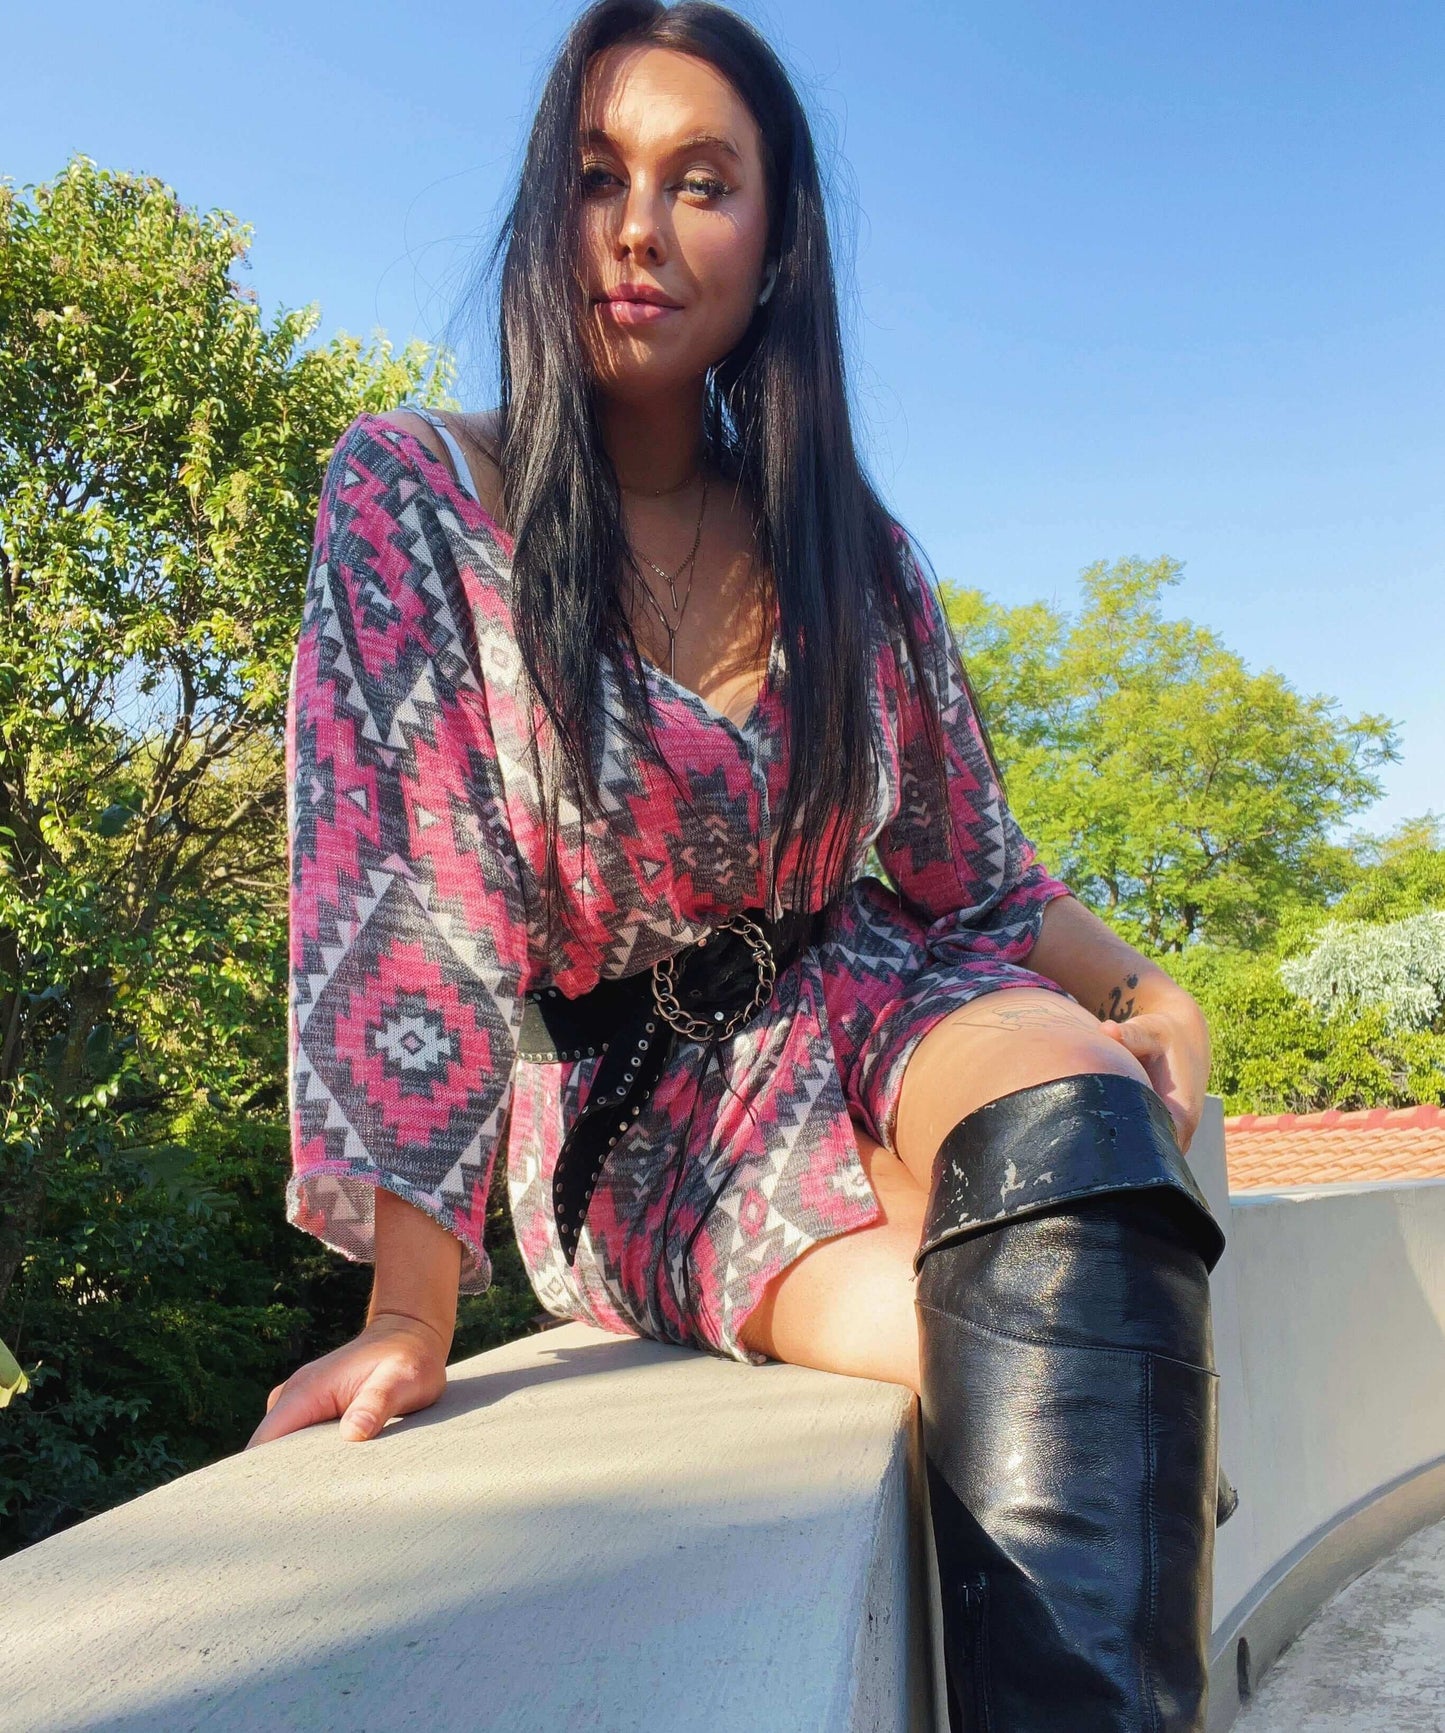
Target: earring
771, 278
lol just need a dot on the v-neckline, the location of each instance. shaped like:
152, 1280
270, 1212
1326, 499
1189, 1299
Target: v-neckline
689, 696
460, 498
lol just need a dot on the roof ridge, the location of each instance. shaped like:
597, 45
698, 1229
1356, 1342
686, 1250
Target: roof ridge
1421, 1115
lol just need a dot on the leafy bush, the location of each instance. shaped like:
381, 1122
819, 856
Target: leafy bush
1314, 1020
1398, 966
1274, 1052
165, 1298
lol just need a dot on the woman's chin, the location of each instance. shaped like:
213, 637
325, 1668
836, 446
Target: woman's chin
641, 379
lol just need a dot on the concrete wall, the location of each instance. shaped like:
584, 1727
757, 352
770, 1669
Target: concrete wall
1329, 1308
595, 1531
587, 1531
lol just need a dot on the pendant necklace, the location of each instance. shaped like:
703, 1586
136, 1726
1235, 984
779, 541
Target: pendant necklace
671, 579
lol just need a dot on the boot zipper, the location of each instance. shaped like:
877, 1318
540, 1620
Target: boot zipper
973, 1596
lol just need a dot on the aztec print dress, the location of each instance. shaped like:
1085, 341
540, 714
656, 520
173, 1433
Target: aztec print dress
416, 852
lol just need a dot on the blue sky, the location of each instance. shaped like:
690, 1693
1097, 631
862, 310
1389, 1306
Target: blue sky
1119, 279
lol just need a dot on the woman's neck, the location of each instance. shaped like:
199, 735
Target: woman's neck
655, 445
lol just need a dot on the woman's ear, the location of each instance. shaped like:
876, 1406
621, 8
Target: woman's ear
768, 281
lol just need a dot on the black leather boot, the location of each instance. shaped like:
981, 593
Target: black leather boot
1070, 1412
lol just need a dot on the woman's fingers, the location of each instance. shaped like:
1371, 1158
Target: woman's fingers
1147, 1037
296, 1403
1141, 1035
374, 1403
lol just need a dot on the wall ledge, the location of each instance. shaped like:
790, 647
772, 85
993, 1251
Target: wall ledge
586, 1530
598, 1530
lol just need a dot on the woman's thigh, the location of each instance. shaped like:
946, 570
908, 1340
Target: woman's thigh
846, 1305
989, 1047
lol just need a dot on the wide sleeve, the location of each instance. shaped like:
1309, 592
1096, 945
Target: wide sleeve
984, 898
409, 956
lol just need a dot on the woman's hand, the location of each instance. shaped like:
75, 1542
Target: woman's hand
395, 1366
1137, 1003
1171, 1042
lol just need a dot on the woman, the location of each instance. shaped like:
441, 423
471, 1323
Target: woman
599, 702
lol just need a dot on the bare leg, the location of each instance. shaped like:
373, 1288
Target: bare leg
998, 1043
846, 1305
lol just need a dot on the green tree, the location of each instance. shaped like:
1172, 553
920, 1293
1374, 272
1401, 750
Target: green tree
1399, 875
161, 454
1277, 1050
1182, 796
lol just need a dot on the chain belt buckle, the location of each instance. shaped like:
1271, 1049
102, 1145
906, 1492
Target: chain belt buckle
664, 985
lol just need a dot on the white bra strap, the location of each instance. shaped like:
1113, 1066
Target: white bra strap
464, 474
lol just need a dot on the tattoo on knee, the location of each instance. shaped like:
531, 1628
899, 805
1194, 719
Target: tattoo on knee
1116, 1008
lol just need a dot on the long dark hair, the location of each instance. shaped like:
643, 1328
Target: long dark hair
775, 417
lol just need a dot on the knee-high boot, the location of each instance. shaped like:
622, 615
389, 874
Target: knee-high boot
1069, 1410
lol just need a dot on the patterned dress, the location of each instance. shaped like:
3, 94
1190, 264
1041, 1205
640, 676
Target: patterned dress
416, 855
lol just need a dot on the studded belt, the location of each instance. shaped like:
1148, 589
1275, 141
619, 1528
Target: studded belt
705, 992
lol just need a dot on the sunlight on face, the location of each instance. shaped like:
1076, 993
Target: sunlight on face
665, 206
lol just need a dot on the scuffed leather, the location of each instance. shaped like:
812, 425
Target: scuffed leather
1050, 1143
1227, 1501
1070, 1423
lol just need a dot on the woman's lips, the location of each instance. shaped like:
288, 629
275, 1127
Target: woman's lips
636, 312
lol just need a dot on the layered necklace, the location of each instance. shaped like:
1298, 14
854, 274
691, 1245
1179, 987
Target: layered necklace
671, 578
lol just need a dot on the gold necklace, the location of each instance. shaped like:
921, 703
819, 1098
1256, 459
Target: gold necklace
658, 492
671, 630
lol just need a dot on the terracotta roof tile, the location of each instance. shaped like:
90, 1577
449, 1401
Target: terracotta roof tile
1263, 1151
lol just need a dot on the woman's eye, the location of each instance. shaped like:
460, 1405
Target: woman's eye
598, 179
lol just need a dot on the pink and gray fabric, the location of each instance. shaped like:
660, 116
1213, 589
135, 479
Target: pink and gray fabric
416, 854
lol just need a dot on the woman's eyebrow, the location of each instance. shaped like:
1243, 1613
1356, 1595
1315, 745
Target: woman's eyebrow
697, 139
600, 135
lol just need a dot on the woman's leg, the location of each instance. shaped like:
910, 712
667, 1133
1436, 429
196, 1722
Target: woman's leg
1067, 1382
846, 1305
997, 1043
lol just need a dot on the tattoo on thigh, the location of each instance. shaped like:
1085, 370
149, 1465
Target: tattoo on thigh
1116, 1008
987, 1014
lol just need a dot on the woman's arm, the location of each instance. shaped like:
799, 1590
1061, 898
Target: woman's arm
1139, 1005
418, 1263
397, 1363
409, 947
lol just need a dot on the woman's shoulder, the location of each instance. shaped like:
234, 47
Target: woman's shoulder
478, 435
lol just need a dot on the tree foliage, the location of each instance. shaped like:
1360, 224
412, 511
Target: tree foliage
1197, 807
1277, 1050
1397, 875
161, 455
1182, 796
1398, 966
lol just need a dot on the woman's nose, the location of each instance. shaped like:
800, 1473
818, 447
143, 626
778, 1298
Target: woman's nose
641, 227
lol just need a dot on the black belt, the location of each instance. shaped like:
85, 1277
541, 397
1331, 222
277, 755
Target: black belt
705, 993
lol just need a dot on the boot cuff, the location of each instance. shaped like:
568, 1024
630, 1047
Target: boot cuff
1057, 1142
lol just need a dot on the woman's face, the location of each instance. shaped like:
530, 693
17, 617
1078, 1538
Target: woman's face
672, 210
